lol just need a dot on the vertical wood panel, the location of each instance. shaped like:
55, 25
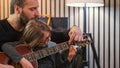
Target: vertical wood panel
117, 52
106, 39
81, 18
106, 34
40, 7
88, 30
66, 10
62, 8
112, 34
76, 17
71, 17
101, 37
53, 8
48, 6
90, 21
57, 9
0, 9
4, 8
96, 31
44, 6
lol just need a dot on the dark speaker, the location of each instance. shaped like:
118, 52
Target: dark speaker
59, 24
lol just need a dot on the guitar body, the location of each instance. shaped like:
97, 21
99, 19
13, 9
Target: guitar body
23, 50
3, 58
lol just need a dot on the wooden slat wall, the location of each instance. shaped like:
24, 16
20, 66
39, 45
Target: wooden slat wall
102, 22
4, 8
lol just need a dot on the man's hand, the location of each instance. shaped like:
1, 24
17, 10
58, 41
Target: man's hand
72, 53
25, 63
75, 34
6, 66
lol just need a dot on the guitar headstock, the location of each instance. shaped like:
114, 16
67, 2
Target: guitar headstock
87, 40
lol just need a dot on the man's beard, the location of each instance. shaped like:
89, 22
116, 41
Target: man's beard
23, 20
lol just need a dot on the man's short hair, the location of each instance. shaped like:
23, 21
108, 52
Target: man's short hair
20, 3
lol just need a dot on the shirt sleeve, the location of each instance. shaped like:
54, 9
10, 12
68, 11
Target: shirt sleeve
9, 49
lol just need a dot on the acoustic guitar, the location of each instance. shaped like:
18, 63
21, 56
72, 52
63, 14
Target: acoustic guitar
34, 56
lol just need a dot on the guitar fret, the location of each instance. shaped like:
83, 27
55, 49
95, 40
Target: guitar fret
64, 46
30, 57
56, 48
27, 56
44, 53
38, 54
59, 47
50, 51
33, 56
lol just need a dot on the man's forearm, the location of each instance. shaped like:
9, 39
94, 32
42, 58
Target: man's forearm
10, 50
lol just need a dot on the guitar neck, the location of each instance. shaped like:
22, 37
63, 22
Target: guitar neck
46, 51
52, 50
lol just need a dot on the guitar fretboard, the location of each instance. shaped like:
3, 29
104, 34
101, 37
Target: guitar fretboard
46, 51
51, 50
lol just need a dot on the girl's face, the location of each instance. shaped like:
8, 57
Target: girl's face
46, 39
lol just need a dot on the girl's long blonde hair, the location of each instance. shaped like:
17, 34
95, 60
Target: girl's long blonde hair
34, 32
